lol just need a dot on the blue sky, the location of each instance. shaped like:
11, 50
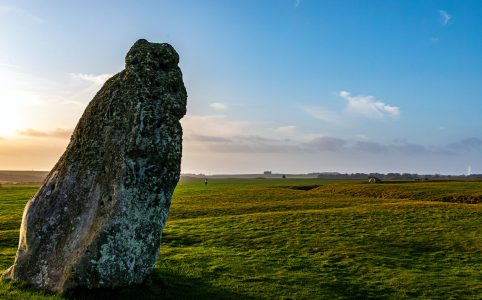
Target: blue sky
281, 85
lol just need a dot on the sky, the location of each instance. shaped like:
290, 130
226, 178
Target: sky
290, 86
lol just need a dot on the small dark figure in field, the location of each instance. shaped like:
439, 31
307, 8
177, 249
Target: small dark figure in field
205, 181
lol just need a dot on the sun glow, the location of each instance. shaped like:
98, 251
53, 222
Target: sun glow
10, 113
9, 119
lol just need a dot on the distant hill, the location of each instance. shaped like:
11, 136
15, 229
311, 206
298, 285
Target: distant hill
22, 176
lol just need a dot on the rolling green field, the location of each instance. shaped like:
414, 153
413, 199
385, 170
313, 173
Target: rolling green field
300, 239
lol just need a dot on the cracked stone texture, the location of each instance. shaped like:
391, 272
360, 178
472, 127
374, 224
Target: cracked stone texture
98, 217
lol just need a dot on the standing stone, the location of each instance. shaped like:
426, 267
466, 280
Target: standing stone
98, 217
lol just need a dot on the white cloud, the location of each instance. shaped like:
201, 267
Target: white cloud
368, 106
445, 16
344, 94
286, 129
218, 106
296, 3
96, 79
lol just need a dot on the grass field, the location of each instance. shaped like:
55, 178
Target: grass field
300, 239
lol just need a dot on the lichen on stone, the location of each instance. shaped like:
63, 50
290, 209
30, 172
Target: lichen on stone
98, 217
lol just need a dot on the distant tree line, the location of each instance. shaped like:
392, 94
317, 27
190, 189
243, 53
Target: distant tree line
394, 176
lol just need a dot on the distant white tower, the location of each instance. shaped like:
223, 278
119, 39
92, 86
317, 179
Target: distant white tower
469, 170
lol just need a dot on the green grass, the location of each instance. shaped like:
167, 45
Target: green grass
300, 239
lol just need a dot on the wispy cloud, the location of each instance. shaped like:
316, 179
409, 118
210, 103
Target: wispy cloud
368, 106
98, 79
296, 3
218, 134
56, 133
214, 125
325, 143
236, 144
404, 147
371, 147
208, 138
322, 114
464, 146
252, 143
218, 106
286, 129
445, 17
360, 105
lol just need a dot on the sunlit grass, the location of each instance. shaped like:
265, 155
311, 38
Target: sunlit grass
268, 239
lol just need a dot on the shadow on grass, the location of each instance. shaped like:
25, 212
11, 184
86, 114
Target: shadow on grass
349, 290
341, 284
179, 240
170, 286
302, 187
161, 285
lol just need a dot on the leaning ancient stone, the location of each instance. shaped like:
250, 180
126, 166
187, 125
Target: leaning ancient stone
98, 217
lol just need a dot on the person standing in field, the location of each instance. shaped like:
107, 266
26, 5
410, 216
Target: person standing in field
205, 181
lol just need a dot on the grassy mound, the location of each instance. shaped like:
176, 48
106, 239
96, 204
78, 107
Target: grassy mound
446, 191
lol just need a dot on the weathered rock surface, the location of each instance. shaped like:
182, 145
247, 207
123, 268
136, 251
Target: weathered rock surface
98, 217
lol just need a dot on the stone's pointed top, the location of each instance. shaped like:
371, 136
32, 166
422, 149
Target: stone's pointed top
144, 53
141, 42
